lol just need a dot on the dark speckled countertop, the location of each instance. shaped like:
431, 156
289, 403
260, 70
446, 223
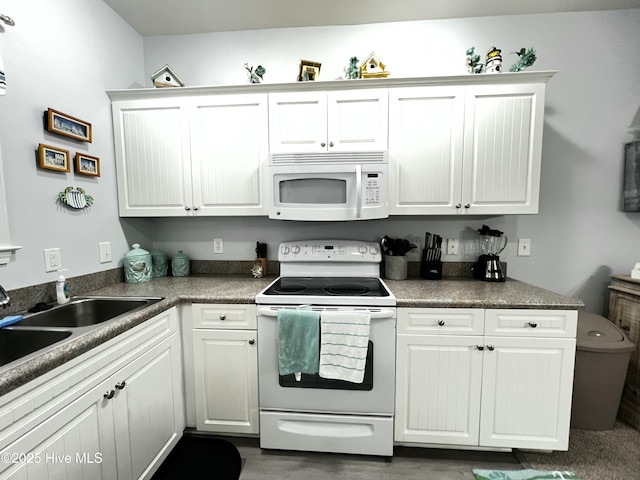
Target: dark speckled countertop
448, 293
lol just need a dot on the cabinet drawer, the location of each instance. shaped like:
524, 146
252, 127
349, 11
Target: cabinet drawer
441, 321
225, 316
531, 323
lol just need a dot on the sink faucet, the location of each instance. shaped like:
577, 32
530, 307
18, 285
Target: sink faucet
5, 300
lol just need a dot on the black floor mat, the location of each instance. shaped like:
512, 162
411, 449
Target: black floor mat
201, 457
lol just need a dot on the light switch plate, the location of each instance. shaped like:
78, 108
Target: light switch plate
105, 252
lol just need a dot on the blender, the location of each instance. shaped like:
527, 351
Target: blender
488, 266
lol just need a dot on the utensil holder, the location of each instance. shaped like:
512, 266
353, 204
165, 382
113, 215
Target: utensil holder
395, 267
430, 269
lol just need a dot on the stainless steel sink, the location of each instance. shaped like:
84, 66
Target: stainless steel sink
86, 311
15, 344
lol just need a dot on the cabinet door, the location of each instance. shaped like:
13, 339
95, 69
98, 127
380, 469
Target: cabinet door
76, 443
358, 120
425, 150
152, 158
229, 135
298, 122
527, 385
226, 380
148, 409
503, 146
438, 386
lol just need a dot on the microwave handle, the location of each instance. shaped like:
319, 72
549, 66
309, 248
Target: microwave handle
358, 191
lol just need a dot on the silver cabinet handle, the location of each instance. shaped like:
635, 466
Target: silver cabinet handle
323, 144
223, 317
252, 341
468, 205
491, 348
109, 394
480, 347
533, 324
196, 208
441, 323
331, 144
187, 208
121, 385
458, 205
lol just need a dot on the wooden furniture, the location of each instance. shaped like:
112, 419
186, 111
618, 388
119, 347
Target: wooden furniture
225, 365
114, 412
624, 311
485, 378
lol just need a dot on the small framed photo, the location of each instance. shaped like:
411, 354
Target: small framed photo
53, 158
632, 177
63, 124
309, 71
87, 165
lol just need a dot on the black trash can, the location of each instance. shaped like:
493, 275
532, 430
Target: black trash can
602, 358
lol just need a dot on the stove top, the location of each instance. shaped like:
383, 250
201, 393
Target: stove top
328, 286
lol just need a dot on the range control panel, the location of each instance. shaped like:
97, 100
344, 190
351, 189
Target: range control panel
330, 250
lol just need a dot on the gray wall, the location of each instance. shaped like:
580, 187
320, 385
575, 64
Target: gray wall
580, 236
63, 55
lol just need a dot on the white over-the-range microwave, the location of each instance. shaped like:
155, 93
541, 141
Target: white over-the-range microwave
331, 186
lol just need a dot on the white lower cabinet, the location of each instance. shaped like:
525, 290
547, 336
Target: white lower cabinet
225, 356
115, 415
462, 381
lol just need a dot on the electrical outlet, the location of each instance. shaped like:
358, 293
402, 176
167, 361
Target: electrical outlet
105, 252
524, 247
452, 246
218, 245
52, 259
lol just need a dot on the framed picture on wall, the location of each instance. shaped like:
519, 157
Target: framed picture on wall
632, 177
87, 165
53, 158
63, 124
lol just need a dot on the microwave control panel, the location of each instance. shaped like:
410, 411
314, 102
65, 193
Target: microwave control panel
372, 189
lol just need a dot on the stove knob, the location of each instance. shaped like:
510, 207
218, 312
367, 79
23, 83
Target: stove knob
285, 250
295, 249
374, 251
362, 249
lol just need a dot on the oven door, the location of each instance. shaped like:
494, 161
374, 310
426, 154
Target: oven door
375, 396
328, 192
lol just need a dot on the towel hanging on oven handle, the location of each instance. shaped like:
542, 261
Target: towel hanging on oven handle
384, 313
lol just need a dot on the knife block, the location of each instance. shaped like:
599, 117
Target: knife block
430, 269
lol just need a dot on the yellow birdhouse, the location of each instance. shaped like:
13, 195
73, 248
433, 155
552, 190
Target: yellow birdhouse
373, 67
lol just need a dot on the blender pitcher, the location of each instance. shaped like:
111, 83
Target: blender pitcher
488, 266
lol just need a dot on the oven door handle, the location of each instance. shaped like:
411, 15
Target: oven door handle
267, 312
358, 191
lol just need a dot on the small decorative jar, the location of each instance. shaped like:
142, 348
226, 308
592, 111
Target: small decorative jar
180, 265
137, 265
160, 262
395, 267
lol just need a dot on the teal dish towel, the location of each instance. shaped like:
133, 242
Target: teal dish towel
298, 341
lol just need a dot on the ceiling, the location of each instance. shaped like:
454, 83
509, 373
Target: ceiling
171, 17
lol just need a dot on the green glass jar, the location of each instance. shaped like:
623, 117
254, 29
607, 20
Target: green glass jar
137, 265
160, 262
180, 265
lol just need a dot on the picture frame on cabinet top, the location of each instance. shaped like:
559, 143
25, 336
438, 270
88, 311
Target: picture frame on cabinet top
632, 177
53, 158
87, 165
309, 71
72, 127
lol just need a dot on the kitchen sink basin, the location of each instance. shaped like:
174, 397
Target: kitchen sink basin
15, 344
87, 311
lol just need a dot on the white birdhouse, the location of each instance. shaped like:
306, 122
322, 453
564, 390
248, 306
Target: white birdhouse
165, 77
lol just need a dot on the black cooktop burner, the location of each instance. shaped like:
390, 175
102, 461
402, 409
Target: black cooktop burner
328, 286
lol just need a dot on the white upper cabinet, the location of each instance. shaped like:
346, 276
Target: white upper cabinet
466, 149
340, 121
425, 149
191, 156
502, 148
229, 149
152, 157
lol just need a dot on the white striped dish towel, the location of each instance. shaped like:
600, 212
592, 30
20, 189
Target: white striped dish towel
344, 339
3, 80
